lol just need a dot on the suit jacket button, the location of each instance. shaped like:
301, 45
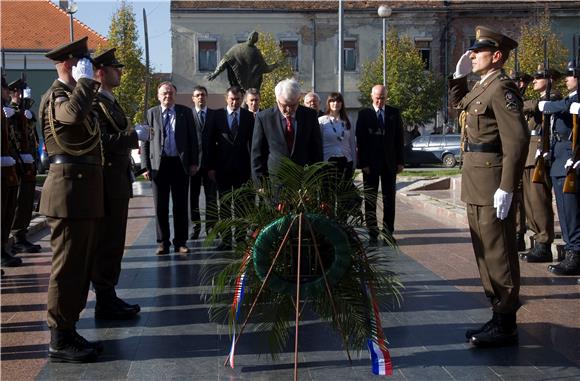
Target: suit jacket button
487, 163
80, 175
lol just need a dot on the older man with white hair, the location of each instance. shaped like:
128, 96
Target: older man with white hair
285, 130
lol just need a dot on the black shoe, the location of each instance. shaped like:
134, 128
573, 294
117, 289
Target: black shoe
65, 346
569, 266
112, 310
9, 260
483, 328
24, 246
134, 307
162, 250
224, 247
540, 253
520, 242
96, 345
501, 333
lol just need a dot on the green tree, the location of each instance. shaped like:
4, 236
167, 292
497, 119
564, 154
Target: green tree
272, 52
533, 33
416, 92
123, 36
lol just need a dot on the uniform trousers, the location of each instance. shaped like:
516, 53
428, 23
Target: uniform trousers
24, 209
171, 180
538, 206
496, 255
387, 179
73, 243
568, 205
9, 198
210, 192
111, 246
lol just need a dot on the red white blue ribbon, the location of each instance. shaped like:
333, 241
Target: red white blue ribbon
380, 357
237, 303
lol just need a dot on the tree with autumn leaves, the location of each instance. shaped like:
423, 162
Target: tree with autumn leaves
272, 53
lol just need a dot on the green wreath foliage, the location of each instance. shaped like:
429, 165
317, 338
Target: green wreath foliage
331, 207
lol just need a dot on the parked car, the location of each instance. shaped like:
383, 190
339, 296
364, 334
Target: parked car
42, 164
434, 149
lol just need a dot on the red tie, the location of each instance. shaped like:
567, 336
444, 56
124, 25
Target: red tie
289, 133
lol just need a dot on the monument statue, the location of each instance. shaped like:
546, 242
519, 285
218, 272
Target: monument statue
245, 64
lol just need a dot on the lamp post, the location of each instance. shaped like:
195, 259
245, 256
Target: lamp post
384, 12
71, 9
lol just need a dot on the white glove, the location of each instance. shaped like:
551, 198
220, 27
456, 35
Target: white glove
83, 69
539, 153
463, 66
142, 131
574, 107
571, 163
27, 93
7, 161
541, 105
8, 111
502, 201
27, 114
26, 158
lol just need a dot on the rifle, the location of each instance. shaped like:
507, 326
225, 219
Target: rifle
147, 84
540, 169
570, 182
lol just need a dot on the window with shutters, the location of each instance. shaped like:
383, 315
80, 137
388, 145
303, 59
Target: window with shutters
290, 49
424, 48
207, 55
349, 56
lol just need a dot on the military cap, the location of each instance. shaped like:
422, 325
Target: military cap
487, 38
107, 58
15, 84
551, 73
4, 84
571, 69
75, 49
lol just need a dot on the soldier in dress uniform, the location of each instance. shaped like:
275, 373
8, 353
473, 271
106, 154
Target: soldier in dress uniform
72, 196
9, 174
495, 142
27, 141
538, 196
118, 138
563, 156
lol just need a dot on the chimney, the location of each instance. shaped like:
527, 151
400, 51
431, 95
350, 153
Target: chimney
63, 4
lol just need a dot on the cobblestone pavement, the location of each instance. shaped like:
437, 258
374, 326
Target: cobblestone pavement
174, 339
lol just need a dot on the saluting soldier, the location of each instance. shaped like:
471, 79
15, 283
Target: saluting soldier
563, 156
72, 196
538, 196
118, 138
495, 143
27, 140
9, 174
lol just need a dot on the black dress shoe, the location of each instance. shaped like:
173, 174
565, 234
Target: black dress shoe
501, 333
569, 266
483, 328
135, 307
182, 249
9, 260
111, 310
69, 347
24, 246
540, 253
96, 345
162, 250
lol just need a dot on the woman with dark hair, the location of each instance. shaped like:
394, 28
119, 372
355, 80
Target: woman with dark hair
338, 140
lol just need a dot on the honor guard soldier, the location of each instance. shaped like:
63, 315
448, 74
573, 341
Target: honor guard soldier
72, 196
564, 159
118, 138
27, 141
9, 172
538, 195
495, 142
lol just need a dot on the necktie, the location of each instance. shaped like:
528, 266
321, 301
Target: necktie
381, 120
202, 118
234, 128
289, 134
167, 124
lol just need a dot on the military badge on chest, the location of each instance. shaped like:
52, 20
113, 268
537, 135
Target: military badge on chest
512, 101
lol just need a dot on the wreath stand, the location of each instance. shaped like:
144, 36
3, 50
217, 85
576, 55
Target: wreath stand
302, 219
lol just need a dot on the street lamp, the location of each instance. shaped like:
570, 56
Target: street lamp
384, 12
71, 9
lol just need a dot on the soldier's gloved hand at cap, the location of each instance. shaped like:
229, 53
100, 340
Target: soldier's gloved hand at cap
142, 131
502, 201
83, 69
574, 107
27, 93
8, 111
542, 105
571, 163
539, 152
463, 66
27, 114
7, 161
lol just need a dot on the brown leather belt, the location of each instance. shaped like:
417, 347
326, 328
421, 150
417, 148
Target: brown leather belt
68, 159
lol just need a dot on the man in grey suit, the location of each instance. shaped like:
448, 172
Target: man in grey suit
171, 156
286, 130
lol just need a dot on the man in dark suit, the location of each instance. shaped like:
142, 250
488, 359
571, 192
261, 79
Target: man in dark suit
171, 156
205, 117
379, 135
287, 130
228, 151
